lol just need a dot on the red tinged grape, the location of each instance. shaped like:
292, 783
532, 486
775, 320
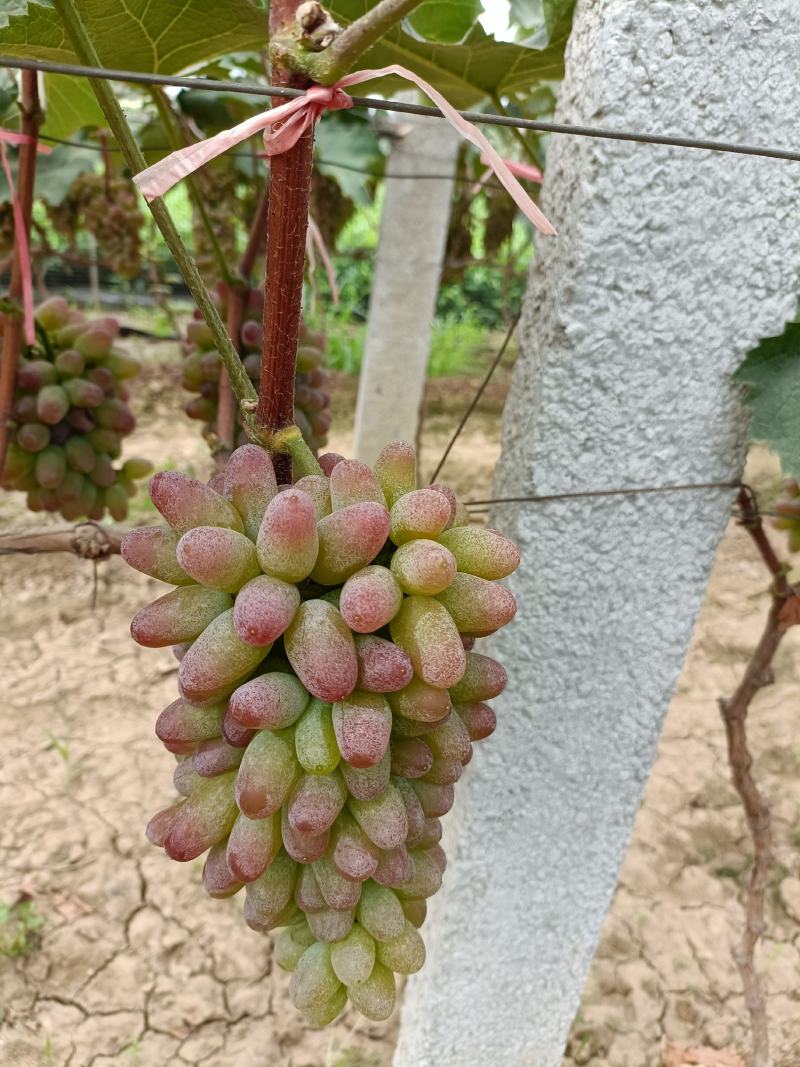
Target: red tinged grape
321, 651
479, 720
185, 503
272, 701
33, 437
267, 774
426, 631
328, 461
206, 817
252, 846
52, 404
362, 723
352, 482
348, 540
264, 609
423, 567
250, 485
483, 678
158, 827
288, 540
179, 616
383, 667
218, 881
334, 690
217, 660
153, 550
420, 514
315, 803
370, 599
303, 848
218, 558
36, 374
181, 721
393, 867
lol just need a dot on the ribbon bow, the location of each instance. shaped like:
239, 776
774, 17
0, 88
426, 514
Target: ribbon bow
295, 117
20, 234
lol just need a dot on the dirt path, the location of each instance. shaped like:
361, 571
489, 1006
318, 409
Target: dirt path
135, 967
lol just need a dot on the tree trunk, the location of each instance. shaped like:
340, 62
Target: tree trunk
670, 264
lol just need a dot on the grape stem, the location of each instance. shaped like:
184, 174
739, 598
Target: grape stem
135, 161
173, 130
784, 612
12, 337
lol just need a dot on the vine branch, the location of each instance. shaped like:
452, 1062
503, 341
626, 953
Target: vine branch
783, 613
26, 175
135, 161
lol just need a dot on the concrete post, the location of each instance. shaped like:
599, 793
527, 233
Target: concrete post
408, 267
669, 265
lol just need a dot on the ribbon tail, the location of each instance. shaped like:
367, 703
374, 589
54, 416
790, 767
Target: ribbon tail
21, 251
158, 179
467, 130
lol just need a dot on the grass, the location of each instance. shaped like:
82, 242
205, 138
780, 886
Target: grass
19, 926
459, 345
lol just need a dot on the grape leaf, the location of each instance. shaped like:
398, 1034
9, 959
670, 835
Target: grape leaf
159, 37
447, 21
69, 105
467, 73
772, 373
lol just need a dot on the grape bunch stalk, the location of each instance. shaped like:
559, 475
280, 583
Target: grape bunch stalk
69, 417
202, 364
330, 695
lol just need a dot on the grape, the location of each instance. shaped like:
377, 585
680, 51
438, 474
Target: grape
201, 370
181, 615
353, 958
69, 409
107, 208
362, 723
370, 599
330, 696
273, 701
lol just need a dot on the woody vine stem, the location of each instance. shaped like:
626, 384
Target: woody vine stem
299, 35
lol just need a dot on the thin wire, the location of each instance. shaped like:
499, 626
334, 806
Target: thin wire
465, 179
474, 402
251, 89
483, 505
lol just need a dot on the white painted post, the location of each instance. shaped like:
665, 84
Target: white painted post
408, 268
669, 265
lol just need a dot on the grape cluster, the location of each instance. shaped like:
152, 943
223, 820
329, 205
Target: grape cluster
788, 513
329, 699
107, 208
69, 417
202, 365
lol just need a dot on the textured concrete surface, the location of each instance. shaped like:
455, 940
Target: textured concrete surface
669, 265
408, 267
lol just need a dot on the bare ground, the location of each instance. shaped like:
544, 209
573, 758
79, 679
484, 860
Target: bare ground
135, 967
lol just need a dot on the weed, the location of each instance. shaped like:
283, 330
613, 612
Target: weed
19, 924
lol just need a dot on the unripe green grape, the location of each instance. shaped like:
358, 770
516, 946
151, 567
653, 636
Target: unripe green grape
80, 454
476, 605
314, 980
52, 404
271, 893
353, 958
315, 738
426, 631
366, 783
184, 723
218, 660
51, 466
383, 819
52, 313
404, 955
206, 817
267, 774
69, 363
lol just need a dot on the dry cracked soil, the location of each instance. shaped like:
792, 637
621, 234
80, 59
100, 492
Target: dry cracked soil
133, 966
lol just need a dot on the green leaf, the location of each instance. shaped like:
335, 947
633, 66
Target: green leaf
157, 36
542, 21
352, 144
477, 69
70, 105
772, 373
447, 21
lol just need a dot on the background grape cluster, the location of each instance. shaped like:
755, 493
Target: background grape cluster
69, 417
202, 364
107, 208
330, 696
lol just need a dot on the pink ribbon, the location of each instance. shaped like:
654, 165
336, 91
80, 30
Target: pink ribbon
295, 117
20, 234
